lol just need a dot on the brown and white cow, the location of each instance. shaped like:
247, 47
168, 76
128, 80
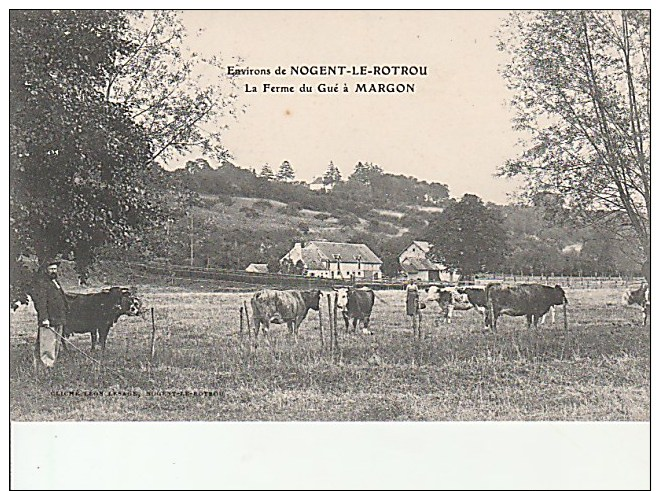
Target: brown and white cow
641, 297
282, 307
529, 299
448, 299
356, 304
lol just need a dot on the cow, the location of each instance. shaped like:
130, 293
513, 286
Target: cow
449, 299
476, 295
529, 299
356, 304
636, 297
282, 306
641, 297
96, 313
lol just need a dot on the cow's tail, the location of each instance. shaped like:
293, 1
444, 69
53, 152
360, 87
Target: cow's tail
380, 299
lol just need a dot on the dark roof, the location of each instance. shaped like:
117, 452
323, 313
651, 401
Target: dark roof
313, 257
349, 252
413, 264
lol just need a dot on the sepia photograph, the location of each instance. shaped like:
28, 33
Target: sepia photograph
330, 216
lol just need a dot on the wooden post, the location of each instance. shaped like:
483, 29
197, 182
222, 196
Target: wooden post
334, 326
321, 329
332, 343
240, 326
247, 320
153, 335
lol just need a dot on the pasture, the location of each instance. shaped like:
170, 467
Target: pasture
205, 371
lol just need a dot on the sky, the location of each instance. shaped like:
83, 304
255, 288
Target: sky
454, 128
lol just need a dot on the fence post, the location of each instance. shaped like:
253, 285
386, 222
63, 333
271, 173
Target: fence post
321, 329
334, 326
153, 336
247, 321
240, 327
332, 344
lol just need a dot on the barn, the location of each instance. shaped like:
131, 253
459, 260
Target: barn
341, 260
417, 262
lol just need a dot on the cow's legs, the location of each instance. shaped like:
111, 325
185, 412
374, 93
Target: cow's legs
450, 313
355, 323
103, 336
293, 331
257, 328
345, 316
530, 319
94, 337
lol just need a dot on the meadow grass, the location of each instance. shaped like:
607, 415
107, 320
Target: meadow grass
598, 371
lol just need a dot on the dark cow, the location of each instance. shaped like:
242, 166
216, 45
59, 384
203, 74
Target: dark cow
356, 304
640, 297
96, 313
282, 306
477, 297
531, 300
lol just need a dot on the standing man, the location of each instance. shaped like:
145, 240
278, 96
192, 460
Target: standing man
52, 308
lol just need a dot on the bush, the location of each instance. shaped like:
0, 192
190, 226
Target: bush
349, 219
262, 204
225, 199
249, 212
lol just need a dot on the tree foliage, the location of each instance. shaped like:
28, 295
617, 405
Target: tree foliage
182, 101
332, 175
80, 167
266, 172
581, 91
98, 99
285, 173
469, 236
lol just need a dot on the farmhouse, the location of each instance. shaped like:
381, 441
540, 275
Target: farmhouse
257, 268
335, 260
417, 263
318, 185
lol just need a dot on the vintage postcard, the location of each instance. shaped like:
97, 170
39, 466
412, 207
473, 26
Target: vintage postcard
384, 216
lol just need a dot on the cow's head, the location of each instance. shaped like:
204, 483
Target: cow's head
341, 297
124, 300
559, 296
312, 298
635, 297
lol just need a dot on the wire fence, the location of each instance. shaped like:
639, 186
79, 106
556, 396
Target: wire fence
245, 280
565, 281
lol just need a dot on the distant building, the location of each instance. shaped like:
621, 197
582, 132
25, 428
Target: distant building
257, 268
335, 260
318, 185
416, 263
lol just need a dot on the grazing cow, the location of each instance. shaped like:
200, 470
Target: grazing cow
531, 300
282, 306
636, 297
96, 313
356, 304
640, 297
448, 299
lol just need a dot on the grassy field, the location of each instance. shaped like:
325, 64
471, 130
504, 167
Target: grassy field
599, 371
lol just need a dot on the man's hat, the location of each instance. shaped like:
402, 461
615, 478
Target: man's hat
49, 262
